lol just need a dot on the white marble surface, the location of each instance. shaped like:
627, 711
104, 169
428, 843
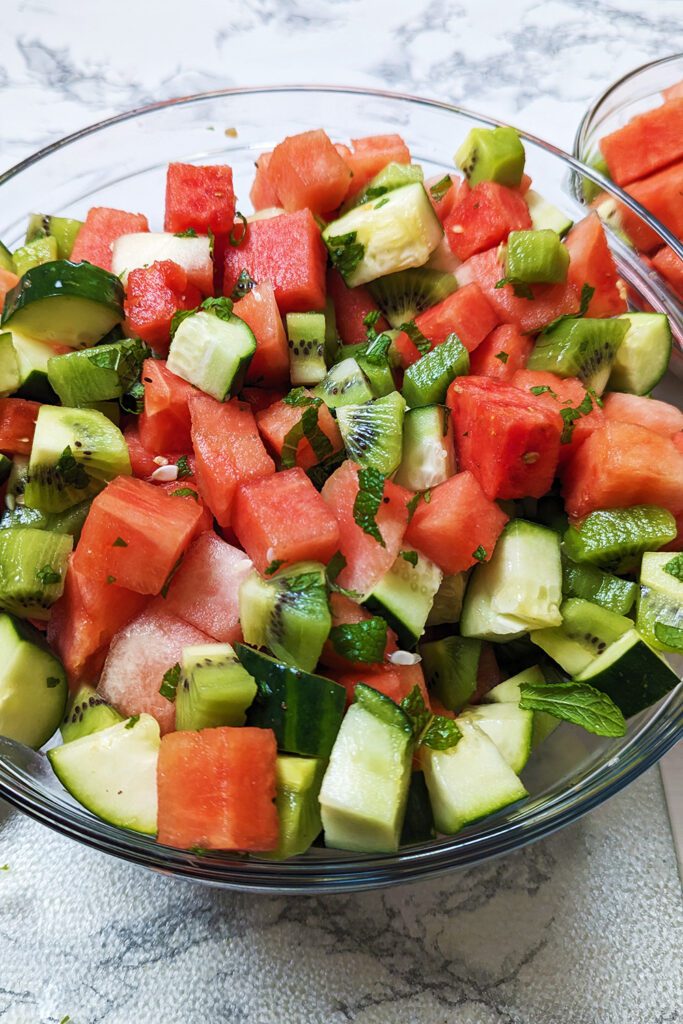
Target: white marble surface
583, 928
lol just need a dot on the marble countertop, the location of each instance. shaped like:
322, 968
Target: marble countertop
583, 928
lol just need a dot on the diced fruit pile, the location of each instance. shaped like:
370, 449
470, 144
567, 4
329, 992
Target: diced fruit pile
645, 157
320, 520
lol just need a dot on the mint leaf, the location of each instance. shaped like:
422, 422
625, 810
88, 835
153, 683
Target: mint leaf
422, 344
178, 317
675, 567
133, 400
187, 233
672, 636
132, 721
378, 350
273, 567
416, 710
442, 733
541, 389
587, 293
71, 471
574, 702
440, 188
306, 427
370, 319
412, 505
368, 501
571, 415
220, 307
243, 285
335, 566
522, 289
345, 252
184, 468
480, 554
361, 641
236, 238
503, 356
185, 492
48, 575
169, 683
409, 556
299, 397
120, 543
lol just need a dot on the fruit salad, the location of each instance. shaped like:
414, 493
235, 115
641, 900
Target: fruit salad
318, 521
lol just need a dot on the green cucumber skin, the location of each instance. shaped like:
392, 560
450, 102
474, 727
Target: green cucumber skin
62, 278
418, 824
303, 710
635, 681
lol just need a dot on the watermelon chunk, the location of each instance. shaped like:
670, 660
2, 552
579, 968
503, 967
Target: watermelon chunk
660, 194
510, 441
153, 295
370, 154
504, 351
164, 425
647, 143
269, 366
101, 229
228, 451
458, 521
216, 789
135, 535
287, 251
591, 262
138, 657
205, 590
562, 393
277, 420
468, 312
549, 302
366, 560
483, 217
17, 425
394, 681
658, 416
670, 266
351, 306
202, 198
458, 190
284, 519
624, 464
306, 171
263, 195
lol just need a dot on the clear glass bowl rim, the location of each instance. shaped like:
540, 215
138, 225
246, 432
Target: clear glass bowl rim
348, 872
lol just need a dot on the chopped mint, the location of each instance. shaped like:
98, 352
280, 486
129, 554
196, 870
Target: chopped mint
345, 252
132, 721
306, 427
672, 636
440, 188
273, 567
48, 575
436, 731
185, 492
299, 397
377, 351
71, 471
235, 239
183, 466
335, 566
52, 681
542, 389
675, 567
522, 289
503, 356
381, 203
133, 400
220, 307
169, 682
480, 554
409, 556
370, 319
245, 282
575, 702
368, 501
412, 505
426, 497
187, 233
361, 641
422, 344
174, 570
571, 415
587, 293
111, 579
120, 543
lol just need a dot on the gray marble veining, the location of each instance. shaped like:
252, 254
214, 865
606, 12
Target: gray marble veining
583, 928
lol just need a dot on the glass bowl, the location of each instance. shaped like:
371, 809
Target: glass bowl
122, 163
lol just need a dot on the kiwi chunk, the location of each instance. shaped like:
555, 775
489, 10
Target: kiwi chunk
592, 584
426, 381
34, 254
401, 296
492, 154
614, 539
215, 689
536, 257
373, 433
74, 452
583, 348
344, 384
33, 565
63, 229
306, 336
289, 614
450, 666
298, 781
86, 713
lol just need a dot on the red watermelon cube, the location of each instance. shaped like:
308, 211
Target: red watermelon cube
307, 171
101, 229
277, 420
263, 195
351, 306
164, 424
484, 217
284, 519
670, 266
287, 251
202, 198
269, 366
591, 262
458, 521
369, 155
647, 143
562, 393
17, 425
504, 351
153, 295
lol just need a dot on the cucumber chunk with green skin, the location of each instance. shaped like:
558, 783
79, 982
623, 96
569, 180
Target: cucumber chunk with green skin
398, 231
428, 451
63, 229
373, 432
508, 726
33, 358
631, 673
643, 357
365, 788
34, 254
33, 687
519, 588
6, 261
33, 566
214, 690
97, 374
450, 667
306, 339
9, 365
447, 606
401, 296
569, 654
663, 571
544, 215
65, 303
585, 348
615, 539
113, 772
509, 692
303, 710
418, 824
656, 608
379, 375
298, 781
426, 381
603, 588
492, 154
86, 713
289, 613
404, 596
212, 353
536, 257
389, 178
344, 384
468, 781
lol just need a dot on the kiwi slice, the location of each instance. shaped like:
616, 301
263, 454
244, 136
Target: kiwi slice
390, 177
306, 334
583, 348
63, 229
595, 628
74, 452
450, 667
87, 712
492, 154
344, 384
289, 614
615, 539
401, 296
536, 257
373, 433
215, 689
33, 565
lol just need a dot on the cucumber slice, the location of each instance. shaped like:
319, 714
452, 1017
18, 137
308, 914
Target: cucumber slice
469, 781
9, 365
592, 584
615, 539
656, 608
63, 229
379, 375
404, 596
142, 248
33, 358
113, 772
426, 381
212, 353
87, 712
508, 692
64, 303
306, 337
418, 823
631, 673
663, 571
303, 710
215, 689
41, 250
33, 566
397, 231
33, 685
447, 606
365, 788
390, 177
519, 588
544, 215
428, 450
450, 667
298, 781
6, 260
643, 357
508, 726
96, 374
344, 384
